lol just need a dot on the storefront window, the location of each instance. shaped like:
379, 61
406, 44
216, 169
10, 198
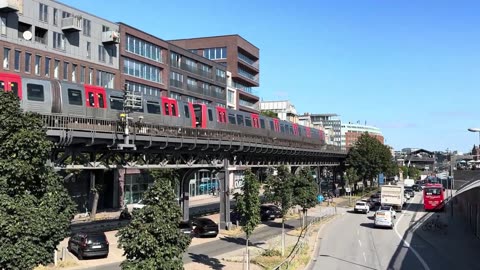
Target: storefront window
135, 186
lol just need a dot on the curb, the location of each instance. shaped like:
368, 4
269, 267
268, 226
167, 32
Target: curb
317, 246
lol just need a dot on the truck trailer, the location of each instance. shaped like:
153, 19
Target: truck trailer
393, 195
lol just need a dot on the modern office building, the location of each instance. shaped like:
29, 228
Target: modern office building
239, 56
47, 39
284, 109
351, 132
155, 67
330, 123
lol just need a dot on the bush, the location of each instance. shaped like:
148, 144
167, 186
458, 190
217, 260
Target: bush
271, 252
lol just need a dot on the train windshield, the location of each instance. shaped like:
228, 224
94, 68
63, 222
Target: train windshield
14, 88
433, 191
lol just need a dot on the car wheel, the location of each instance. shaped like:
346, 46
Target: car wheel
80, 255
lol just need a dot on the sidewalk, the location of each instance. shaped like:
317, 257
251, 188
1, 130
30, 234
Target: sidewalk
456, 243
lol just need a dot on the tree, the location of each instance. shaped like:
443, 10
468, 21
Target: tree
152, 239
369, 157
305, 190
279, 190
248, 205
35, 208
269, 113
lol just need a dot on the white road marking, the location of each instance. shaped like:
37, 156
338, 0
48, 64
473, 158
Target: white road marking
359, 242
422, 261
364, 257
358, 232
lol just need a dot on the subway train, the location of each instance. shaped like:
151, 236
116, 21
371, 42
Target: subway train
54, 97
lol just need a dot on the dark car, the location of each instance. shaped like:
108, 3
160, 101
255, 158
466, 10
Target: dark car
267, 212
186, 227
417, 187
410, 191
205, 227
370, 203
375, 198
276, 210
89, 245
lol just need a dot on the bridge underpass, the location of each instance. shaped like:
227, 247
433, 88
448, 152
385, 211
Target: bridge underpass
92, 144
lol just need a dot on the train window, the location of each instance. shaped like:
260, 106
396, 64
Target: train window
14, 88
248, 122
210, 115
75, 97
282, 128
291, 129
35, 92
153, 107
167, 109
271, 125
221, 117
231, 118
91, 99
262, 123
174, 109
116, 103
2, 85
101, 100
239, 120
186, 111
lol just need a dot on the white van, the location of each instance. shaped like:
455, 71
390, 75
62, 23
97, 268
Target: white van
408, 182
384, 218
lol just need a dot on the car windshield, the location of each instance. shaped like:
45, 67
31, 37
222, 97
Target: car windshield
360, 203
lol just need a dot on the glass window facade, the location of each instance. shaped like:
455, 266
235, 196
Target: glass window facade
144, 49
105, 79
176, 79
16, 61
145, 89
203, 183
47, 66
135, 186
142, 70
87, 27
6, 58
3, 24
58, 41
28, 60
246, 74
43, 12
38, 62
215, 53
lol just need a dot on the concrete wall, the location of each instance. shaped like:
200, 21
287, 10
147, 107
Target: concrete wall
466, 205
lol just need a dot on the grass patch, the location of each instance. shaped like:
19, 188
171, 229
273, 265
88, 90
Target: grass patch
60, 265
234, 232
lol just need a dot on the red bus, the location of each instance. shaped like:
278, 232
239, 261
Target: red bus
433, 197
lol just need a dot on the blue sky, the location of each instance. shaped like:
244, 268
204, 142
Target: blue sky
411, 68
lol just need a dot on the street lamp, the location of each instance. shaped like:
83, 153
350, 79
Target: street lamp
478, 131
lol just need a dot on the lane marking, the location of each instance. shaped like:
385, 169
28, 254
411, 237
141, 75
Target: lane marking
358, 232
364, 257
422, 261
359, 242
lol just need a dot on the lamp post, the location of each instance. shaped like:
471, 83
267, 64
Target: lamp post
478, 131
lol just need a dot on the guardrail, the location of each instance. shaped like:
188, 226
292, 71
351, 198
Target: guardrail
302, 240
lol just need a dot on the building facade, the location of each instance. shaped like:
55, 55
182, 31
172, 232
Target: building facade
284, 109
47, 39
351, 132
241, 59
329, 123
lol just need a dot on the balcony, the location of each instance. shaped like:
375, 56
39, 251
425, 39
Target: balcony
72, 24
111, 37
10, 5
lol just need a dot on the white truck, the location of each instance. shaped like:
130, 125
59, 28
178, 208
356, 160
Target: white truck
408, 182
393, 195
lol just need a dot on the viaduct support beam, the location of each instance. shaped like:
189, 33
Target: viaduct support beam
185, 193
223, 177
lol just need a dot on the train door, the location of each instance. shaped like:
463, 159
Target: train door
308, 132
11, 82
38, 96
95, 101
276, 125
170, 110
200, 112
211, 118
221, 116
295, 130
255, 121
189, 115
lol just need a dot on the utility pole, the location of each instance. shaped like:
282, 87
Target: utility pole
131, 101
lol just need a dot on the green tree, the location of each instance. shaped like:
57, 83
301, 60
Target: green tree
351, 176
392, 169
248, 205
369, 157
279, 190
305, 190
152, 240
35, 208
414, 173
269, 113
404, 171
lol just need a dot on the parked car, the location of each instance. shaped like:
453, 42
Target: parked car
275, 209
266, 213
205, 227
186, 227
361, 206
88, 245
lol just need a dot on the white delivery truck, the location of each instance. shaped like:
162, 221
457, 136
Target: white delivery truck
393, 195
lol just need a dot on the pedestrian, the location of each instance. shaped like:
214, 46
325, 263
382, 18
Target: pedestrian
337, 193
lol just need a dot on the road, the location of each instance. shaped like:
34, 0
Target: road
351, 242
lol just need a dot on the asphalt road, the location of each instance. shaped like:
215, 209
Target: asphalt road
351, 242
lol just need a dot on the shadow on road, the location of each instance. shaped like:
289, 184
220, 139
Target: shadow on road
343, 260
367, 225
213, 263
275, 224
241, 241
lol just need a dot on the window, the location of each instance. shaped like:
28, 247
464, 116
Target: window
41, 35
91, 99
58, 41
17, 60
90, 76
101, 100
3, 24
35, 92
2, 85
74, 73
145, 89
142, 70
56, 69
105, 79
210, 115
65, 70
116, 103
38, 62
215, 53
6, 58
186, 111
75, 97
14, 87
231, 118
43, 12
262, 123
153, 107
239, 120
66, 14
87, 24
101, 53
89, 49
143, 48
82, 74
248, 121
271, 125
105, 28
55, 16
28, 60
